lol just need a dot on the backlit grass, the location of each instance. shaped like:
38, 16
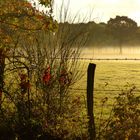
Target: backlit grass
111, 78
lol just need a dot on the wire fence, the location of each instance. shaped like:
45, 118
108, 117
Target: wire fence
98, 59
98, 90
106, 91
111, 89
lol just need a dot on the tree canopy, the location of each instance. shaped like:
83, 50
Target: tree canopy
117, 32
122, 26
20, 18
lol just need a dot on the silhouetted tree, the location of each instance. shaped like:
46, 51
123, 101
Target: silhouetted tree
122, 28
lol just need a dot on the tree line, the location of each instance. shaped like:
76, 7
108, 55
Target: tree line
118, 31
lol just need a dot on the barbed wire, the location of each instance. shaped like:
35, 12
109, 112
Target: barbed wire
85, 58
133, 59
101, 90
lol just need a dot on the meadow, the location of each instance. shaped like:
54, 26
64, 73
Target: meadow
112, 77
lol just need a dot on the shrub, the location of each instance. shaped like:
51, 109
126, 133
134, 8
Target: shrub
124, 123
36, 94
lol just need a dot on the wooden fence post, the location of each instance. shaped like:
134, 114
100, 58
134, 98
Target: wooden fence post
90, 101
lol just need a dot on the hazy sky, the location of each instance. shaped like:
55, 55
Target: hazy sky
102, 10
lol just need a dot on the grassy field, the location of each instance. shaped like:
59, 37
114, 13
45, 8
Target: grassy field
111, 77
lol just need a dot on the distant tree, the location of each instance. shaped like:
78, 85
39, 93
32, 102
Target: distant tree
122, 28
96, 33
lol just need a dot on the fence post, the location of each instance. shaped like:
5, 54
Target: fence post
90, 87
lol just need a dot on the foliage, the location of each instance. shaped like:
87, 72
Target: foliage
39, 94
122, 24
124, 122
122, 28
110, 34
38, 71
21, 19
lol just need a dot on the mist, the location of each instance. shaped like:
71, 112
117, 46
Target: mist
110, 52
